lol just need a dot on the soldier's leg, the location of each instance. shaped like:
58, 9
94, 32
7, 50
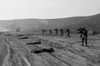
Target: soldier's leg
86, 41
82, 41
42, 32
68, 35
62, 34
56, 33
81, 36
51, 33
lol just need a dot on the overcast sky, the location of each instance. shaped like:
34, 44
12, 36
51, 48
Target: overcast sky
18, 9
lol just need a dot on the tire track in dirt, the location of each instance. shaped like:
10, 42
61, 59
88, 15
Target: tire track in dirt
63, 57
3, 51
14, 55
69, 45
12, 44
71, 49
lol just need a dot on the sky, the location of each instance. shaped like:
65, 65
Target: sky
47, 9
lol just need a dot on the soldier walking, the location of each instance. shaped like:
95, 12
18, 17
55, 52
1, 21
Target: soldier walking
56, 31
62, 32
50, 32
84, 36
68, 32
43, 31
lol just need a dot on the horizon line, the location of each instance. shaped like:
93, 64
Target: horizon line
48, 18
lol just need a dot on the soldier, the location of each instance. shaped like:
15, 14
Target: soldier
50, 32
68, 32
61, 30
43, 31
56, 30
84, 35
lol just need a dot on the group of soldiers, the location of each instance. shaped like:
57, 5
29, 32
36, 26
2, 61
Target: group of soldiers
82, 31
57, 32
60, 32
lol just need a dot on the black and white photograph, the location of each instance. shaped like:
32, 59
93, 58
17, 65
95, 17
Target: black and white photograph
49, 32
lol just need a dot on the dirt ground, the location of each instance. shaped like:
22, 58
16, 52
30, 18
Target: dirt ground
67, 51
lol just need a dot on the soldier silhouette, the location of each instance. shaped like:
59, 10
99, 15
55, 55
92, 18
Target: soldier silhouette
50, 32
68, 32
84, 36
56, 31
43, 31
62, 32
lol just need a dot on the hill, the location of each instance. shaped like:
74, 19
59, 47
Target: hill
37, 24
91, 23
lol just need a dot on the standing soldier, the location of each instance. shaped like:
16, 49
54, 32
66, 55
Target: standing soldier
62, 32
56, 30
68, 32
50, 32
84, 35
43, 31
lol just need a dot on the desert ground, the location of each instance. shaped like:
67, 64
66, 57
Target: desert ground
14, 50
